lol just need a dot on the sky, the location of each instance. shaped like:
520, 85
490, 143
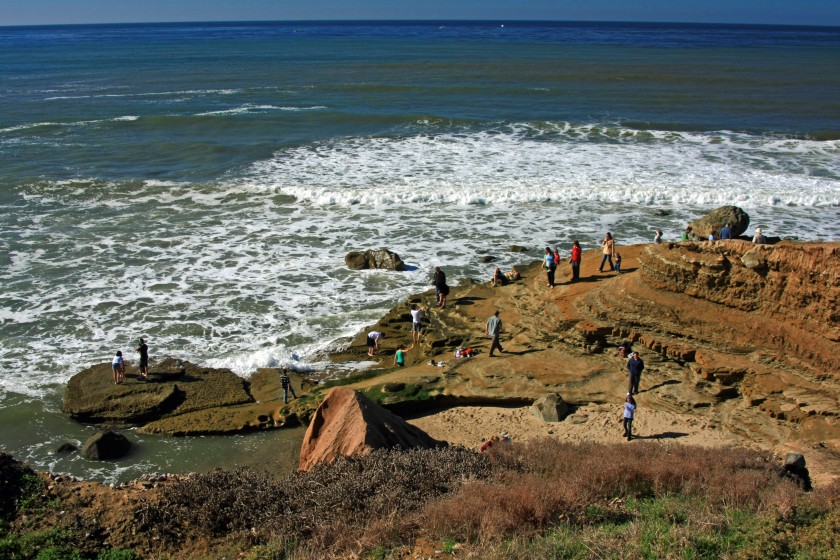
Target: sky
793, 12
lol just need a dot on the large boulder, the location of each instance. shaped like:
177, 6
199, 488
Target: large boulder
374, 258
349, 423
716, 219
551, 408
105, 446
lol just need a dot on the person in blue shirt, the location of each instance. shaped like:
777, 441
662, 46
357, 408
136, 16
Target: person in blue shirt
550, 266
629, 414
726, 232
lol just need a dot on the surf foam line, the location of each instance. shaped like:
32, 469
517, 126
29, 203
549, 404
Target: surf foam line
525, 164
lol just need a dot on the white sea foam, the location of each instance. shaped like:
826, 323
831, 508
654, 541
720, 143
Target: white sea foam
525, 166
48, 124
244, 109
190, 92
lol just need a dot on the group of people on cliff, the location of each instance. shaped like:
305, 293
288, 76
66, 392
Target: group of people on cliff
723, 234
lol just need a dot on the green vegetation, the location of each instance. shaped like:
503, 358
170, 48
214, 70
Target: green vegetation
411, 392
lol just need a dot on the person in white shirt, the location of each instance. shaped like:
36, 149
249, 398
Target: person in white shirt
416, 321
373, 338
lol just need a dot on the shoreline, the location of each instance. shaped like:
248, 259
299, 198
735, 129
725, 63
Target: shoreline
555, 344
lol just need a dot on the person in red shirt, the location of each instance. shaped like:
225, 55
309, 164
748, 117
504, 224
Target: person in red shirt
575, 260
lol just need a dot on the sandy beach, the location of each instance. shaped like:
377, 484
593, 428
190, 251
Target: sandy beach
471, 426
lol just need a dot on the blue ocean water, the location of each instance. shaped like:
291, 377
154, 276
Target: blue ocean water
199, 184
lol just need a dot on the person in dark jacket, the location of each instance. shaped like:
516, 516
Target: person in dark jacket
286, 384
635, 365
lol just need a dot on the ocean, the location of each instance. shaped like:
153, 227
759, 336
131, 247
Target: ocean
199, 184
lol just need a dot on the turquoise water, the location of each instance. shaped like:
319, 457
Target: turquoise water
199, 184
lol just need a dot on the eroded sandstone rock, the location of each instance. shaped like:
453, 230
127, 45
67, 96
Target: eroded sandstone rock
348, 423
551, 408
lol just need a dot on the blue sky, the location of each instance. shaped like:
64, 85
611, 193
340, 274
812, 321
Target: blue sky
795, 12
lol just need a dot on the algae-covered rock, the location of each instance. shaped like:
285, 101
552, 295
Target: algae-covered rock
378, 258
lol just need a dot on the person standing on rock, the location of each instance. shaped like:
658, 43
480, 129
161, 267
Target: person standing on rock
118, 367
658, 237
373, 338
726, 232
550, 267
399, 355
286, 384
759, 238
416, 322
143, 350
629, 413
635, 365
494, 329
575, 260
441, 288
608, 244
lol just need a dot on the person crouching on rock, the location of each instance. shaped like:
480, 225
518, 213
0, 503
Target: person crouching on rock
499, 278
373, 338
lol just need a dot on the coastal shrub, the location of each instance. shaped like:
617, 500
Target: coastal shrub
214, 503
27, 546
353, 501
118, 554
59, 553
733, 478
12, 474
549, 482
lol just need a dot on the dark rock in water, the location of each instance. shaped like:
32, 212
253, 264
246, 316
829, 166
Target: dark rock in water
66, 448
105, 446
378, 258
488, 259
517, 249
716, 219
795, 469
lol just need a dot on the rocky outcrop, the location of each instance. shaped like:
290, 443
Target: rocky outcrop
796, 282
716, 219
105, 446
348, 423
180, 399
374, 258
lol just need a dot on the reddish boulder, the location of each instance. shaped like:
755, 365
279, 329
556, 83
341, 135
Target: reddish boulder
349, 423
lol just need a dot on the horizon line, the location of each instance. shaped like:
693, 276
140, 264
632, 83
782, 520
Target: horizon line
418, 21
